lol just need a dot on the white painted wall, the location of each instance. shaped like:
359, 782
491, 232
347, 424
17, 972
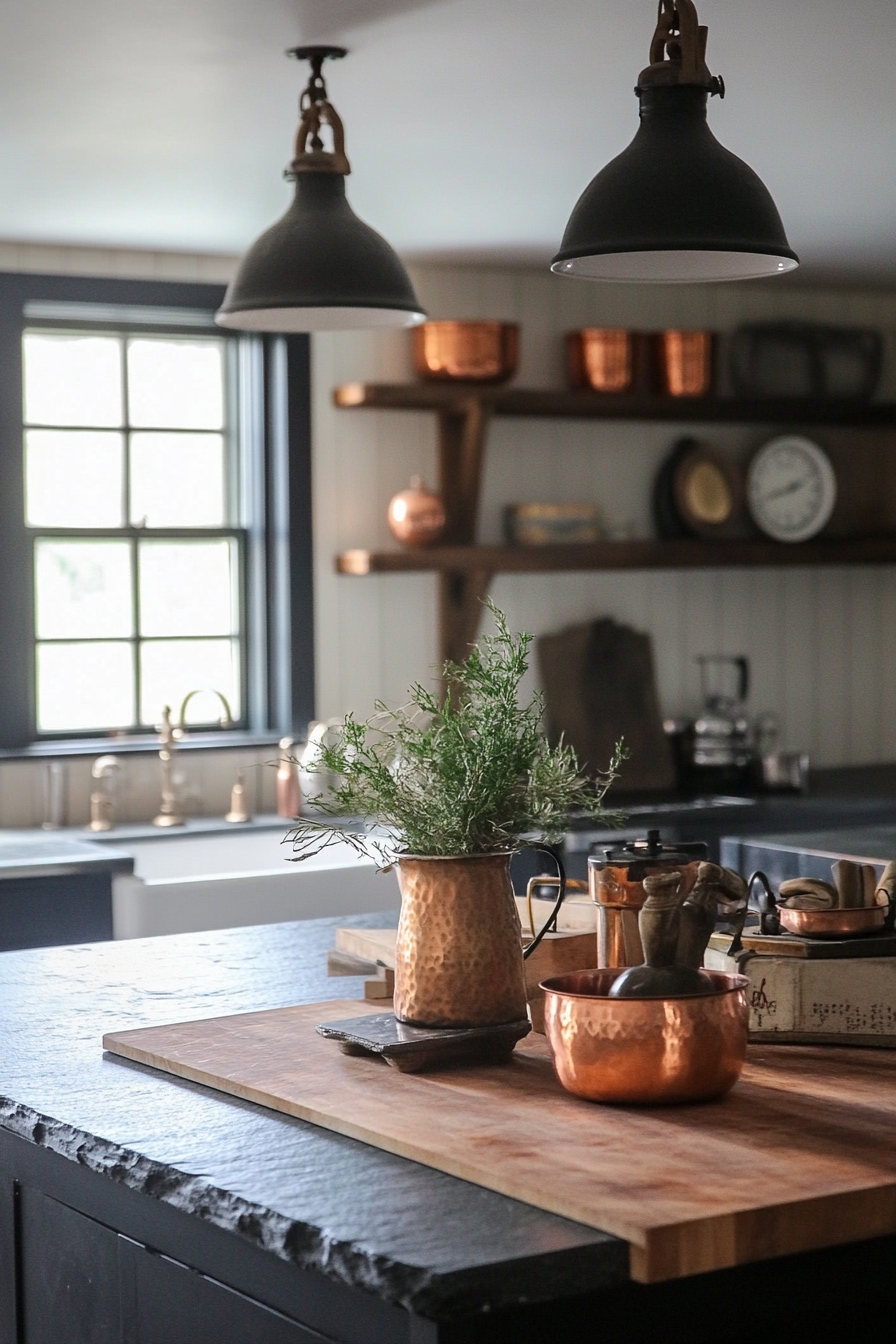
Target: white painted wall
821, 641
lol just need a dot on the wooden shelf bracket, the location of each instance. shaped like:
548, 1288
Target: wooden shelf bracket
462, 433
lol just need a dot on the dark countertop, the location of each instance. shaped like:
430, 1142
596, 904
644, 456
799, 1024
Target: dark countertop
34, 853
413, 1236
809, 853
846, 797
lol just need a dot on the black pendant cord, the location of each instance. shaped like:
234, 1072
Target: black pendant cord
550, 924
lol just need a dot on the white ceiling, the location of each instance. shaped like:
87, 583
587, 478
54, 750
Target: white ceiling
472, 125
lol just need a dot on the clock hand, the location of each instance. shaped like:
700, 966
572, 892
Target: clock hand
786, 489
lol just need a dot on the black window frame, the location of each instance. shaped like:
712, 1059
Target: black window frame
279, 689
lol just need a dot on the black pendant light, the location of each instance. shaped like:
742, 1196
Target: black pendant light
675, 206
319, 267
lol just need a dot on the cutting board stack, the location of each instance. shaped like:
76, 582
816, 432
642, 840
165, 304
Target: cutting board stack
371, 952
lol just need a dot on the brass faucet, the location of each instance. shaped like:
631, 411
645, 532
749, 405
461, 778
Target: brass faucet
102, 801
171, 808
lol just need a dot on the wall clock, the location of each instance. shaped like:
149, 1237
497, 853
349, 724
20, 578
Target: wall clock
791, 488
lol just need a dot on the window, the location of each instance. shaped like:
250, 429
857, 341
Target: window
160, 512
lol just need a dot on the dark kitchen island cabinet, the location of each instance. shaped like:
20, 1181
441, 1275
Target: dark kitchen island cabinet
138, 1208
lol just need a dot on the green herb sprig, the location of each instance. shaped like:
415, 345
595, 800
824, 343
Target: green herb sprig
473, 774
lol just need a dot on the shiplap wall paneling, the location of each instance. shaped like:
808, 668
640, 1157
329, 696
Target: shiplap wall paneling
818, 640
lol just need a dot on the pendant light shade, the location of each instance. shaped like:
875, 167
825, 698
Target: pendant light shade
319, 267
675, 206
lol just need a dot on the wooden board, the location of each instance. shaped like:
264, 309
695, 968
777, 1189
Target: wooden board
557, 952
802, 1153
814, 949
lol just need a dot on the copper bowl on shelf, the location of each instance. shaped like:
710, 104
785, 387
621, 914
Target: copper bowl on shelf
645, 1051
838, 923
473, 352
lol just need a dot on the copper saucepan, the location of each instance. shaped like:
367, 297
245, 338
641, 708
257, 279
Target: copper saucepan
647, 1051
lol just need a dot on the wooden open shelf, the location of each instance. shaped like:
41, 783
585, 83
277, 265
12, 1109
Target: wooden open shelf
619, 555
464, 412
526, 402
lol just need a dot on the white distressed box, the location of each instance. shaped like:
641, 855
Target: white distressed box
825, 1002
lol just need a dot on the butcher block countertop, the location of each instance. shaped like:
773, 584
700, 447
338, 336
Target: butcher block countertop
405, 1235
800, 1154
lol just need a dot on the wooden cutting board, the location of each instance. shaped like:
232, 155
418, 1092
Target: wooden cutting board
802, 1153
556, 954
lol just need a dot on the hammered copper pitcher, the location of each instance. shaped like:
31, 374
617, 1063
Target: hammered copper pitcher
459, 954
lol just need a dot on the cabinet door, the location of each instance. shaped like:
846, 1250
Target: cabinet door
69, 1275
170, 1304
83, 1283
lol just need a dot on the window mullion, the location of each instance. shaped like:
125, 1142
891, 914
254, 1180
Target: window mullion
170, 578
125, 437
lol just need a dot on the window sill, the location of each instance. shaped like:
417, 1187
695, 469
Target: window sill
234, 739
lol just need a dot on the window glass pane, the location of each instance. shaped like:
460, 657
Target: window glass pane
188, 588
73, 478
170, 669
176, 384
72, 380
177, 480
83, 589
84, 686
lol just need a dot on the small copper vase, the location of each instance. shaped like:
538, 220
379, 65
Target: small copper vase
459, 955
416, 515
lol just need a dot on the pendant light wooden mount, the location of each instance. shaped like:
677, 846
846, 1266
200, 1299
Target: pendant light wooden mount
678, 51
317, 111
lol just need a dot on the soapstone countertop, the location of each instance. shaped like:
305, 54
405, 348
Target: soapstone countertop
431, 1243
38, 853
810, 853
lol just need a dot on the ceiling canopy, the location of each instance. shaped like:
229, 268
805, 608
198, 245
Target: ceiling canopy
472, 125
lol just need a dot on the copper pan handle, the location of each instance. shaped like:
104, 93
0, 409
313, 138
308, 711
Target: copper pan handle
768, 909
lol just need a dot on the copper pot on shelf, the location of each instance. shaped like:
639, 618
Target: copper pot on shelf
616, 884
459, 952
476, 352
686, 362
601, 359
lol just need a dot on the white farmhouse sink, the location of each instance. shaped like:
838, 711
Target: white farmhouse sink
185, 883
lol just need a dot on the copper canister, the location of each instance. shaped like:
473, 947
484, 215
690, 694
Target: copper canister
616, 883
685, 362
600, 359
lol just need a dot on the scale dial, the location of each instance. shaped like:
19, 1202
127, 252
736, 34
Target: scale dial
791, 488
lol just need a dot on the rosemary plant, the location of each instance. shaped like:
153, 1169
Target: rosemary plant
472, 775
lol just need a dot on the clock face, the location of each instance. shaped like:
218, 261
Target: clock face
791, 488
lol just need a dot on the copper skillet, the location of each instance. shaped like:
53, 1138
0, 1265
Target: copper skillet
837, 923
